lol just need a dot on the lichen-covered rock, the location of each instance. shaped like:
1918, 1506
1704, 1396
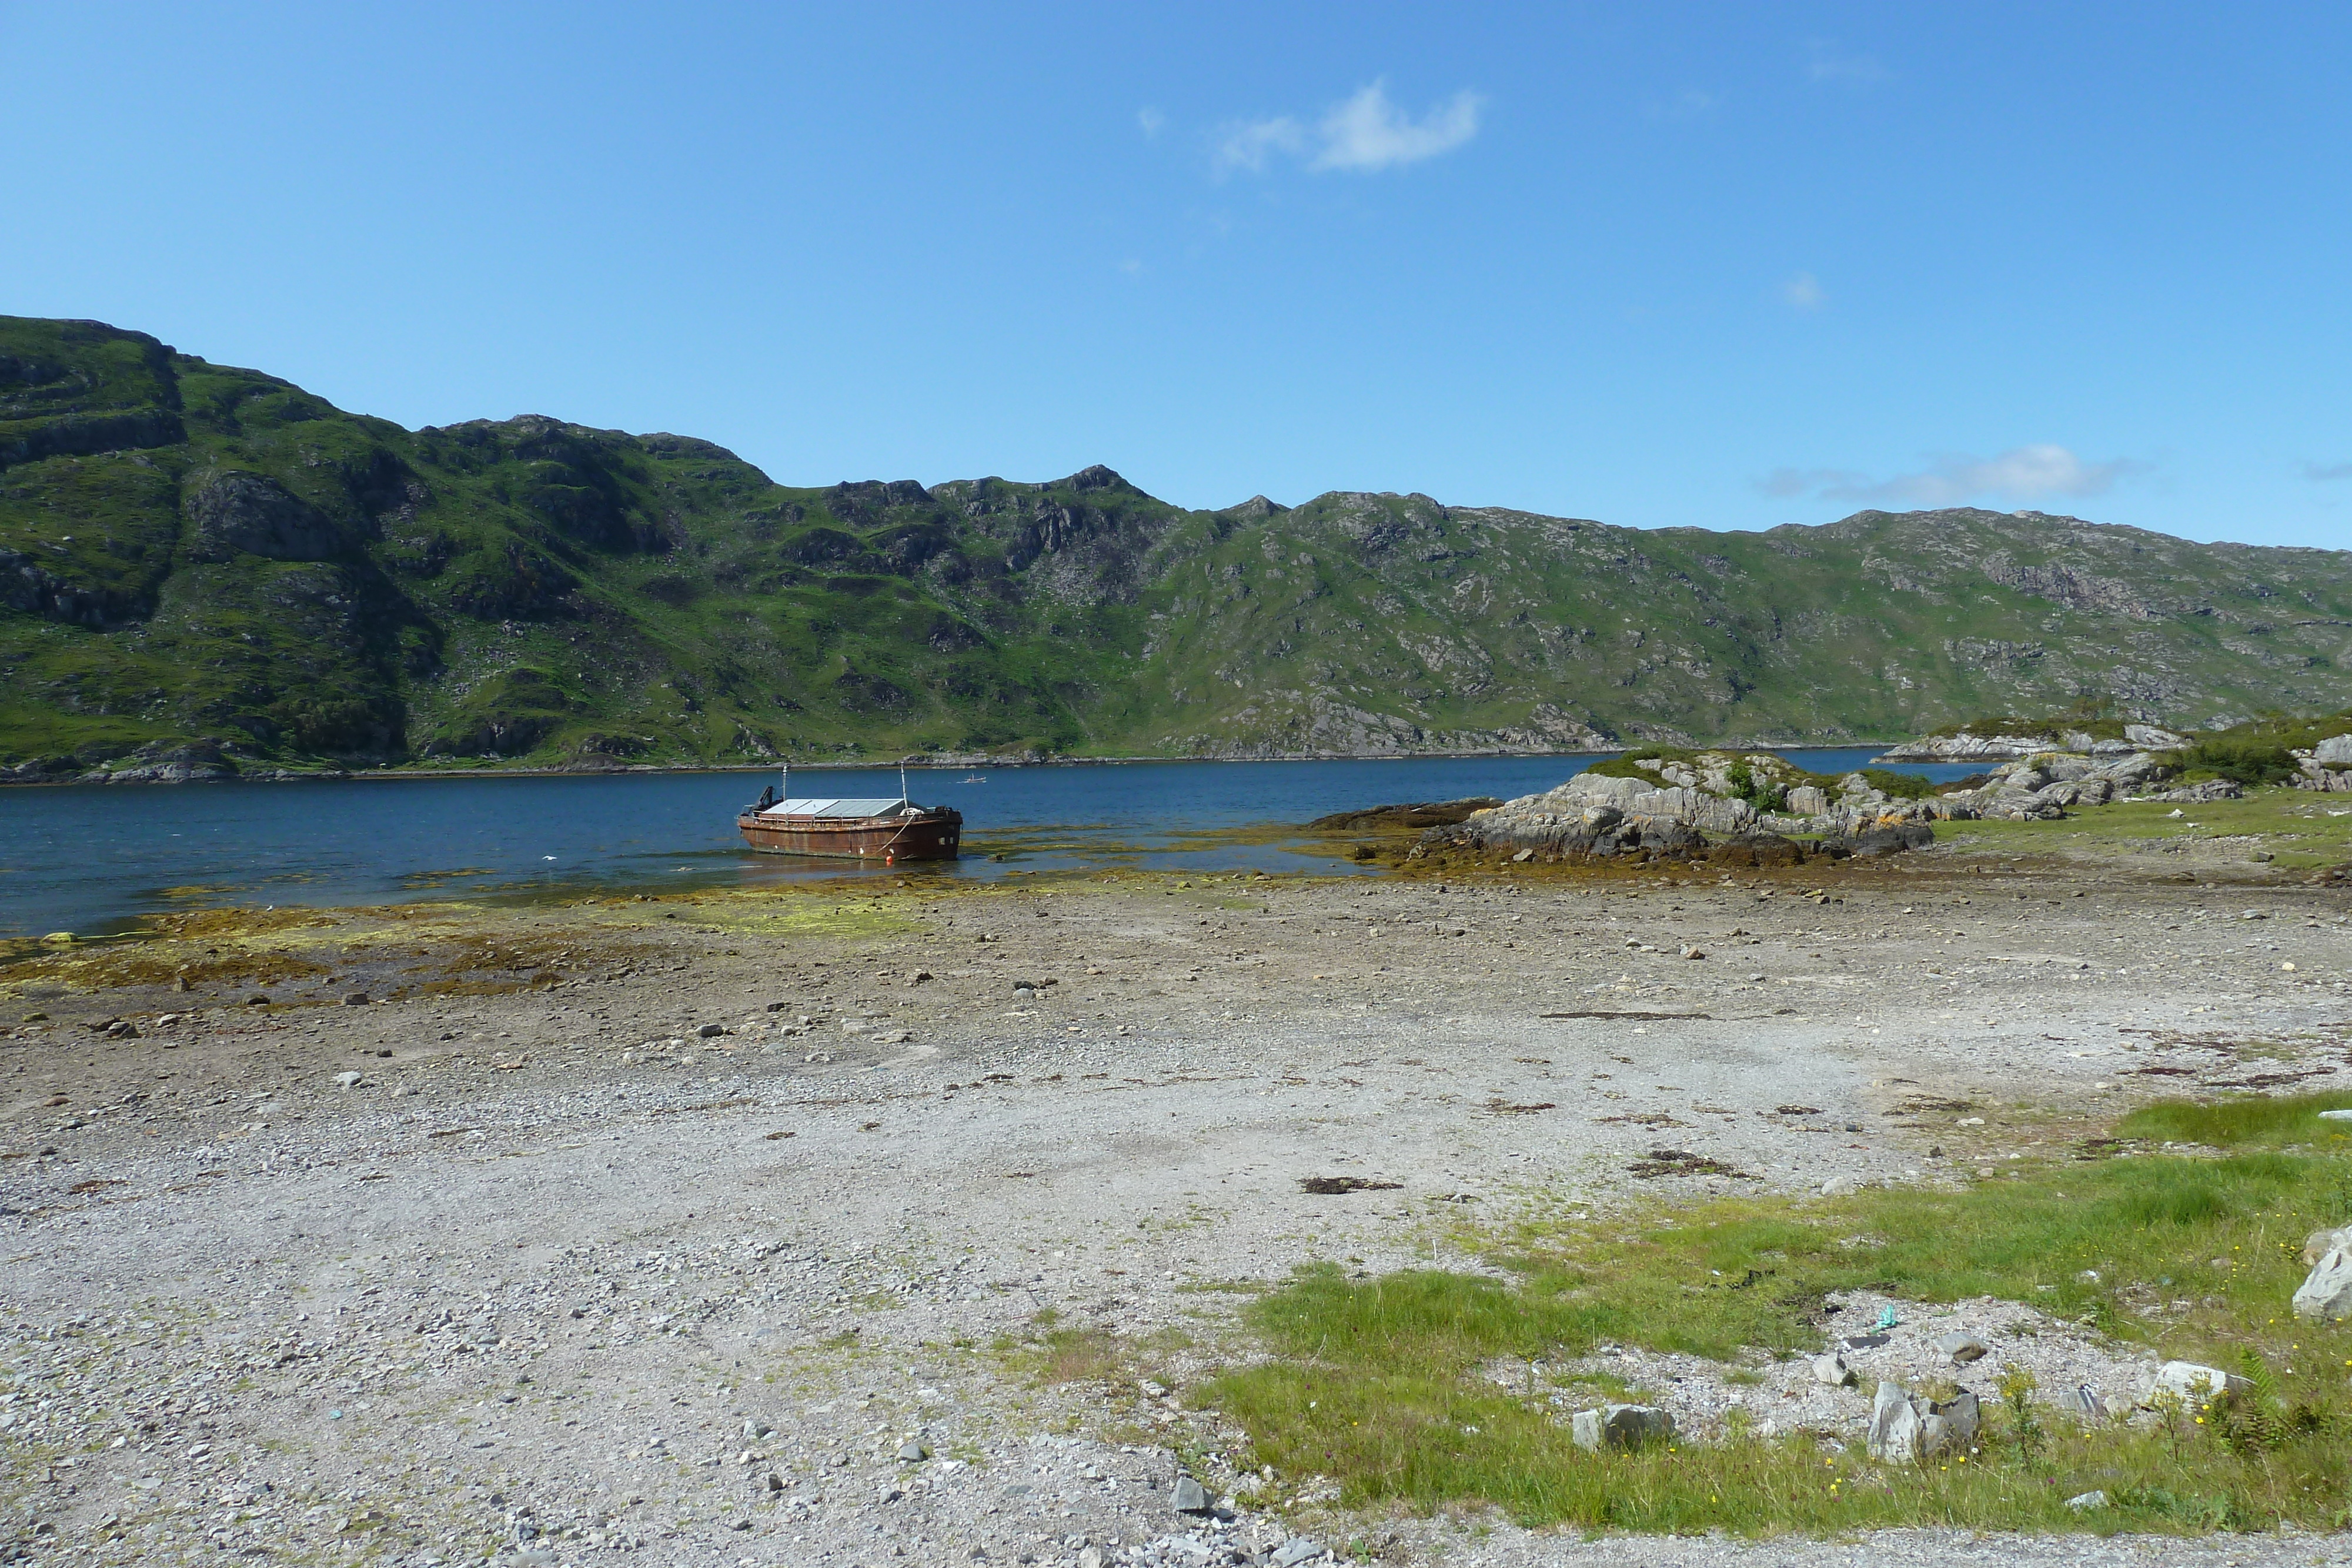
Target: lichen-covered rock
1621, 1426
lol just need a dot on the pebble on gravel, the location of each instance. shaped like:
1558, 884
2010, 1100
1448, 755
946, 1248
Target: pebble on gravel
1963, 1348
1191, 1495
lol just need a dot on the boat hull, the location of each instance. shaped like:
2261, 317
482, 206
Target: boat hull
931, 836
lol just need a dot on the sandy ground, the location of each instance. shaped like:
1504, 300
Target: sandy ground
535, 1270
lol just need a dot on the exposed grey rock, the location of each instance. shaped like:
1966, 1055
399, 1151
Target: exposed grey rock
1832, 1370
2335, 751
2199, 794
2320, 1243
255, 514
2088, 1500
1621, 1426
2327, 1293
1893, 1426
1297, 1550
912, 1452
1963, 1348
1191, 1495
709, 1031
2192, 1381
1951, 1426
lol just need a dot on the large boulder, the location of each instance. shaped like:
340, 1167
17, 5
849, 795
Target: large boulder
2335, 751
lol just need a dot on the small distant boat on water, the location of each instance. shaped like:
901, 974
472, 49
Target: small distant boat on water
975, 778
870, 828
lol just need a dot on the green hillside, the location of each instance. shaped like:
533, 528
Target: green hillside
191, 552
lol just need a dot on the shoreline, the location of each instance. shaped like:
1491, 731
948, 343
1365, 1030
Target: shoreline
391, 774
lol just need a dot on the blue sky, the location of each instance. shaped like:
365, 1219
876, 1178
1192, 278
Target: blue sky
1725, 265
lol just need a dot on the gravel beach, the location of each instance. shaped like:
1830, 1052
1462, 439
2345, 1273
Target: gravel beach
701, 1230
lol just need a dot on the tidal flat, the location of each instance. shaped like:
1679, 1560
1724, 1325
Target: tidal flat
933, 1221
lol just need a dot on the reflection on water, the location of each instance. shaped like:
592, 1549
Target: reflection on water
94, 857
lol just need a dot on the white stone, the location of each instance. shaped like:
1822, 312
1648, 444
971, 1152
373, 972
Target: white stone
2192, 1381
2326, 1294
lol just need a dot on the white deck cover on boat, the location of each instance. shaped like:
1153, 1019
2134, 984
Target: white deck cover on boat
881, 808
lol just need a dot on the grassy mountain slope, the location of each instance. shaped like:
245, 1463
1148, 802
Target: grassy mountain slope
193, 550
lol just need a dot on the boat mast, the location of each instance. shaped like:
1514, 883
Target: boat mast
902, 781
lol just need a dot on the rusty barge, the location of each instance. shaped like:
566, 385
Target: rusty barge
875, 829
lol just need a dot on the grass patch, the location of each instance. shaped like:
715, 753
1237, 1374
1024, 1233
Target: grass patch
1380, 1384
1047, 1352
2284, 1121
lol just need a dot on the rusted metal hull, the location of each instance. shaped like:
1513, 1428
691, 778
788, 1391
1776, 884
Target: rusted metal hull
930, 836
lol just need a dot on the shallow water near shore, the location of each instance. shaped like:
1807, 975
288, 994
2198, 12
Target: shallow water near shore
97, 857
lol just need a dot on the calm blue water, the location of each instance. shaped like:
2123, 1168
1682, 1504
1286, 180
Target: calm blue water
91, 858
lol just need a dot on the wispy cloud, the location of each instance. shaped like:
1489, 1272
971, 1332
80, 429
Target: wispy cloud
2023, 473
1151, 120
1688, 104
1803, 292
1364, 134
1249, 146
2321, 473
1828, 63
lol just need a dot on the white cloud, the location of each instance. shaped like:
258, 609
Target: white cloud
1368, 132
2021, 472
1151, 120
1803, 292
1365, 134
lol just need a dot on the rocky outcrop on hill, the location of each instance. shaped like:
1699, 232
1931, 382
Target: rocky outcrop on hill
2041, 787
1755, 808
1965, 747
